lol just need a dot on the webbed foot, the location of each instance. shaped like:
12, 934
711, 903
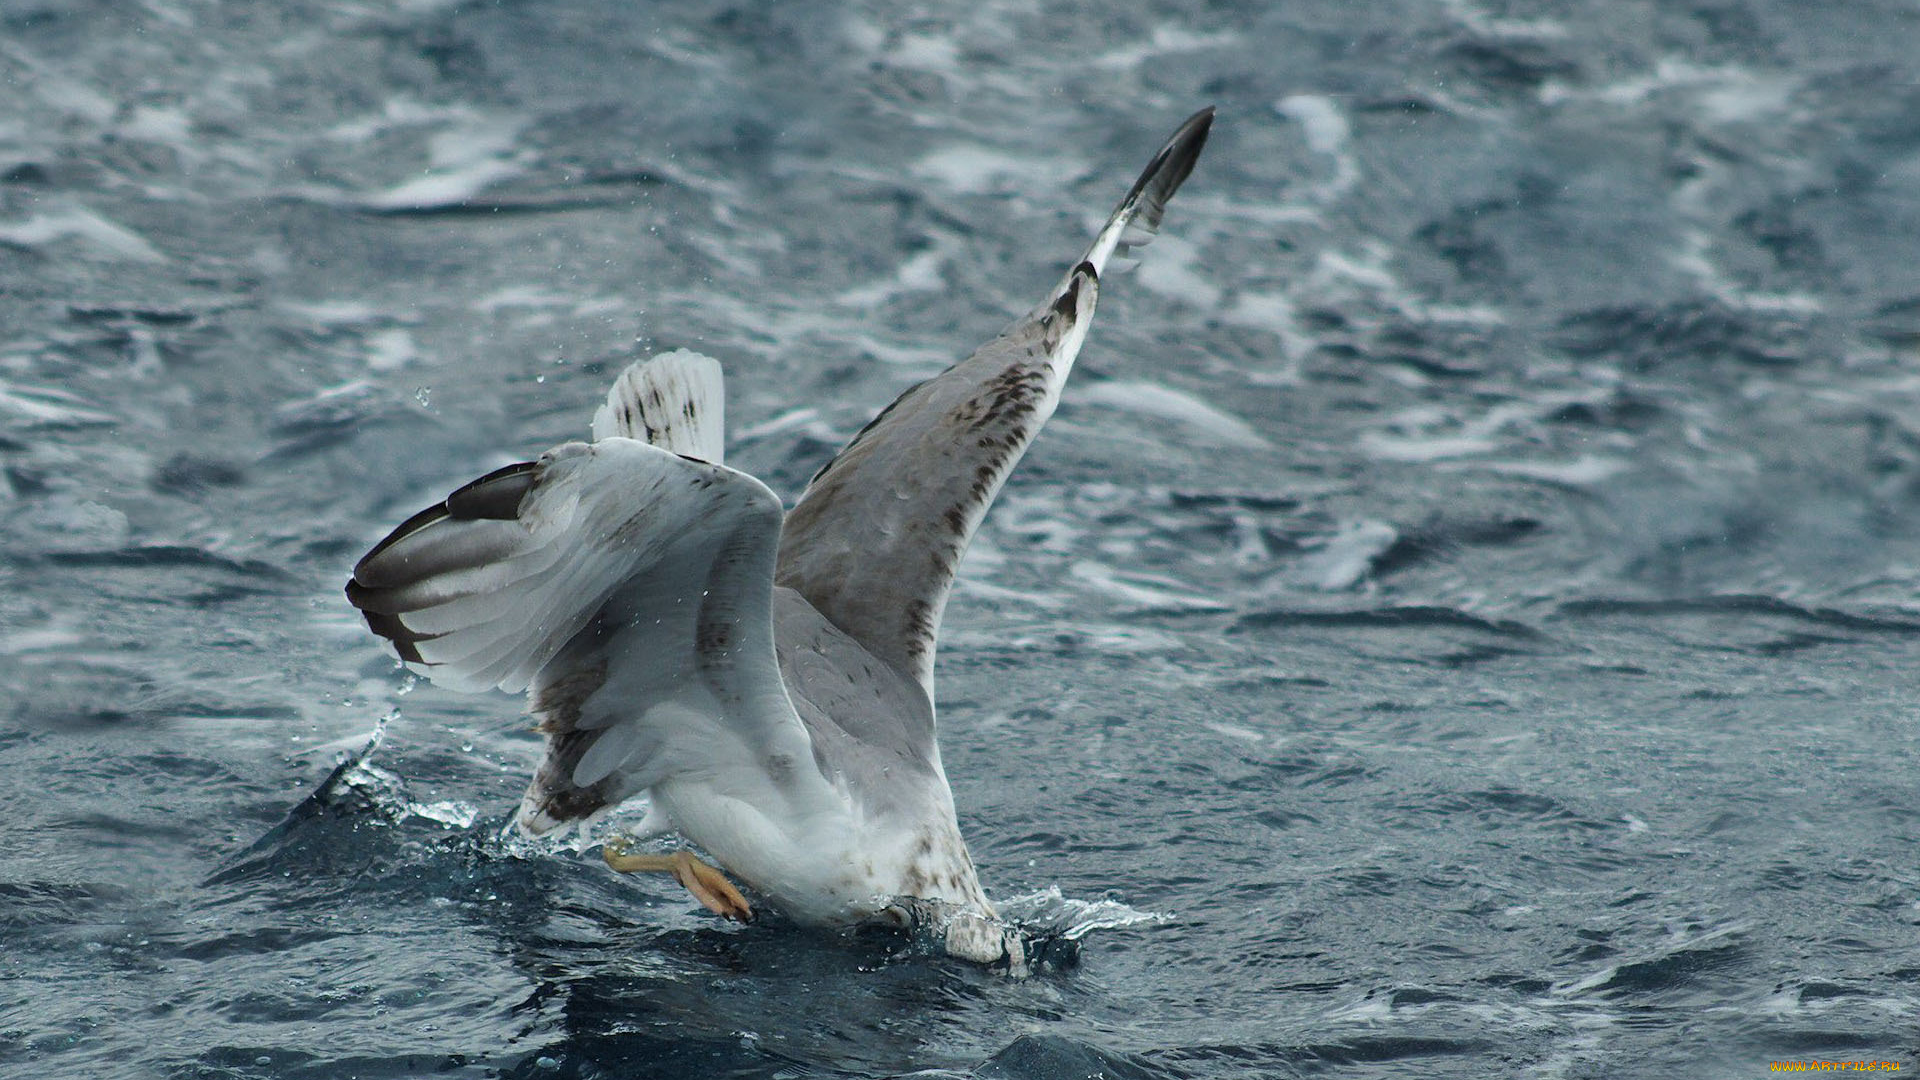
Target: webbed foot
707, 884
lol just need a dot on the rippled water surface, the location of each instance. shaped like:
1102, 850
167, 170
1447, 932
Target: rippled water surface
1461, 622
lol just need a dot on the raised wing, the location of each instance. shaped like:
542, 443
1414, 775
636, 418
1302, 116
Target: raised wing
866, 717
874, 542
628, 589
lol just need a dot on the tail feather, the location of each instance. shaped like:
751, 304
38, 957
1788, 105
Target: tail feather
676, 401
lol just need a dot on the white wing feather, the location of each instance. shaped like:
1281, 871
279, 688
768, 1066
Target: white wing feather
629, 589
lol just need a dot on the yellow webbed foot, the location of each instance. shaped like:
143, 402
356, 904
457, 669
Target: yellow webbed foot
707, 884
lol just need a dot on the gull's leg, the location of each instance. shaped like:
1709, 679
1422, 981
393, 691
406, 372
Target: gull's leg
708, 885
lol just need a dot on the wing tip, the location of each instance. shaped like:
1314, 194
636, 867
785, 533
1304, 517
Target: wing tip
1173, 163
1182, 149
363, 571
405, 641
496, 496
1137, 217
490, 497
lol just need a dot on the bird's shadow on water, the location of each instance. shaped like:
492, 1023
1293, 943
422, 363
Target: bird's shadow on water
623, 979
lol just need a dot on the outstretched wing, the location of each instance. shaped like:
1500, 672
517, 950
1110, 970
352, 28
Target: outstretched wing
627, 588
874, 542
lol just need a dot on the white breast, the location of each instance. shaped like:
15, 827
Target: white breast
824, 868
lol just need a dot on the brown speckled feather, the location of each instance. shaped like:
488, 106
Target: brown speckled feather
874, 542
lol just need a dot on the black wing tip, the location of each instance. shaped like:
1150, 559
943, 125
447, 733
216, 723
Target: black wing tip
495, 496
1195, 126
385, 622
400, 532
487, 497
404, 640
1174, 163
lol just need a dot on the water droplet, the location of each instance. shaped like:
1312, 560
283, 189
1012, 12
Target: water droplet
423, 395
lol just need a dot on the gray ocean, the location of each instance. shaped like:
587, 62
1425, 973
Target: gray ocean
1463, 621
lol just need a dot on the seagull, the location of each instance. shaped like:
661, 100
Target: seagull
763, 677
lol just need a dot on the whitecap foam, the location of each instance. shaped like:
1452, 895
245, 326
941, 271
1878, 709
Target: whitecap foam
391, 348
1344, 559
101, 236
1166, 38
58, 635
1477, 20
922, 272
1583, 471
983, 170
1171, 272
440, 189
51, 406
1144, 590
1327, 133
1165, 403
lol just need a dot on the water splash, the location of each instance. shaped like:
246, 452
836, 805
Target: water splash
356, 785
1051, 913
1036, 932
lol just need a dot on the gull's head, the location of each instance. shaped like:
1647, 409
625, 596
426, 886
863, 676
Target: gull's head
961, 931
985, 940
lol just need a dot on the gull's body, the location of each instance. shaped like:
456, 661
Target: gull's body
766, 679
